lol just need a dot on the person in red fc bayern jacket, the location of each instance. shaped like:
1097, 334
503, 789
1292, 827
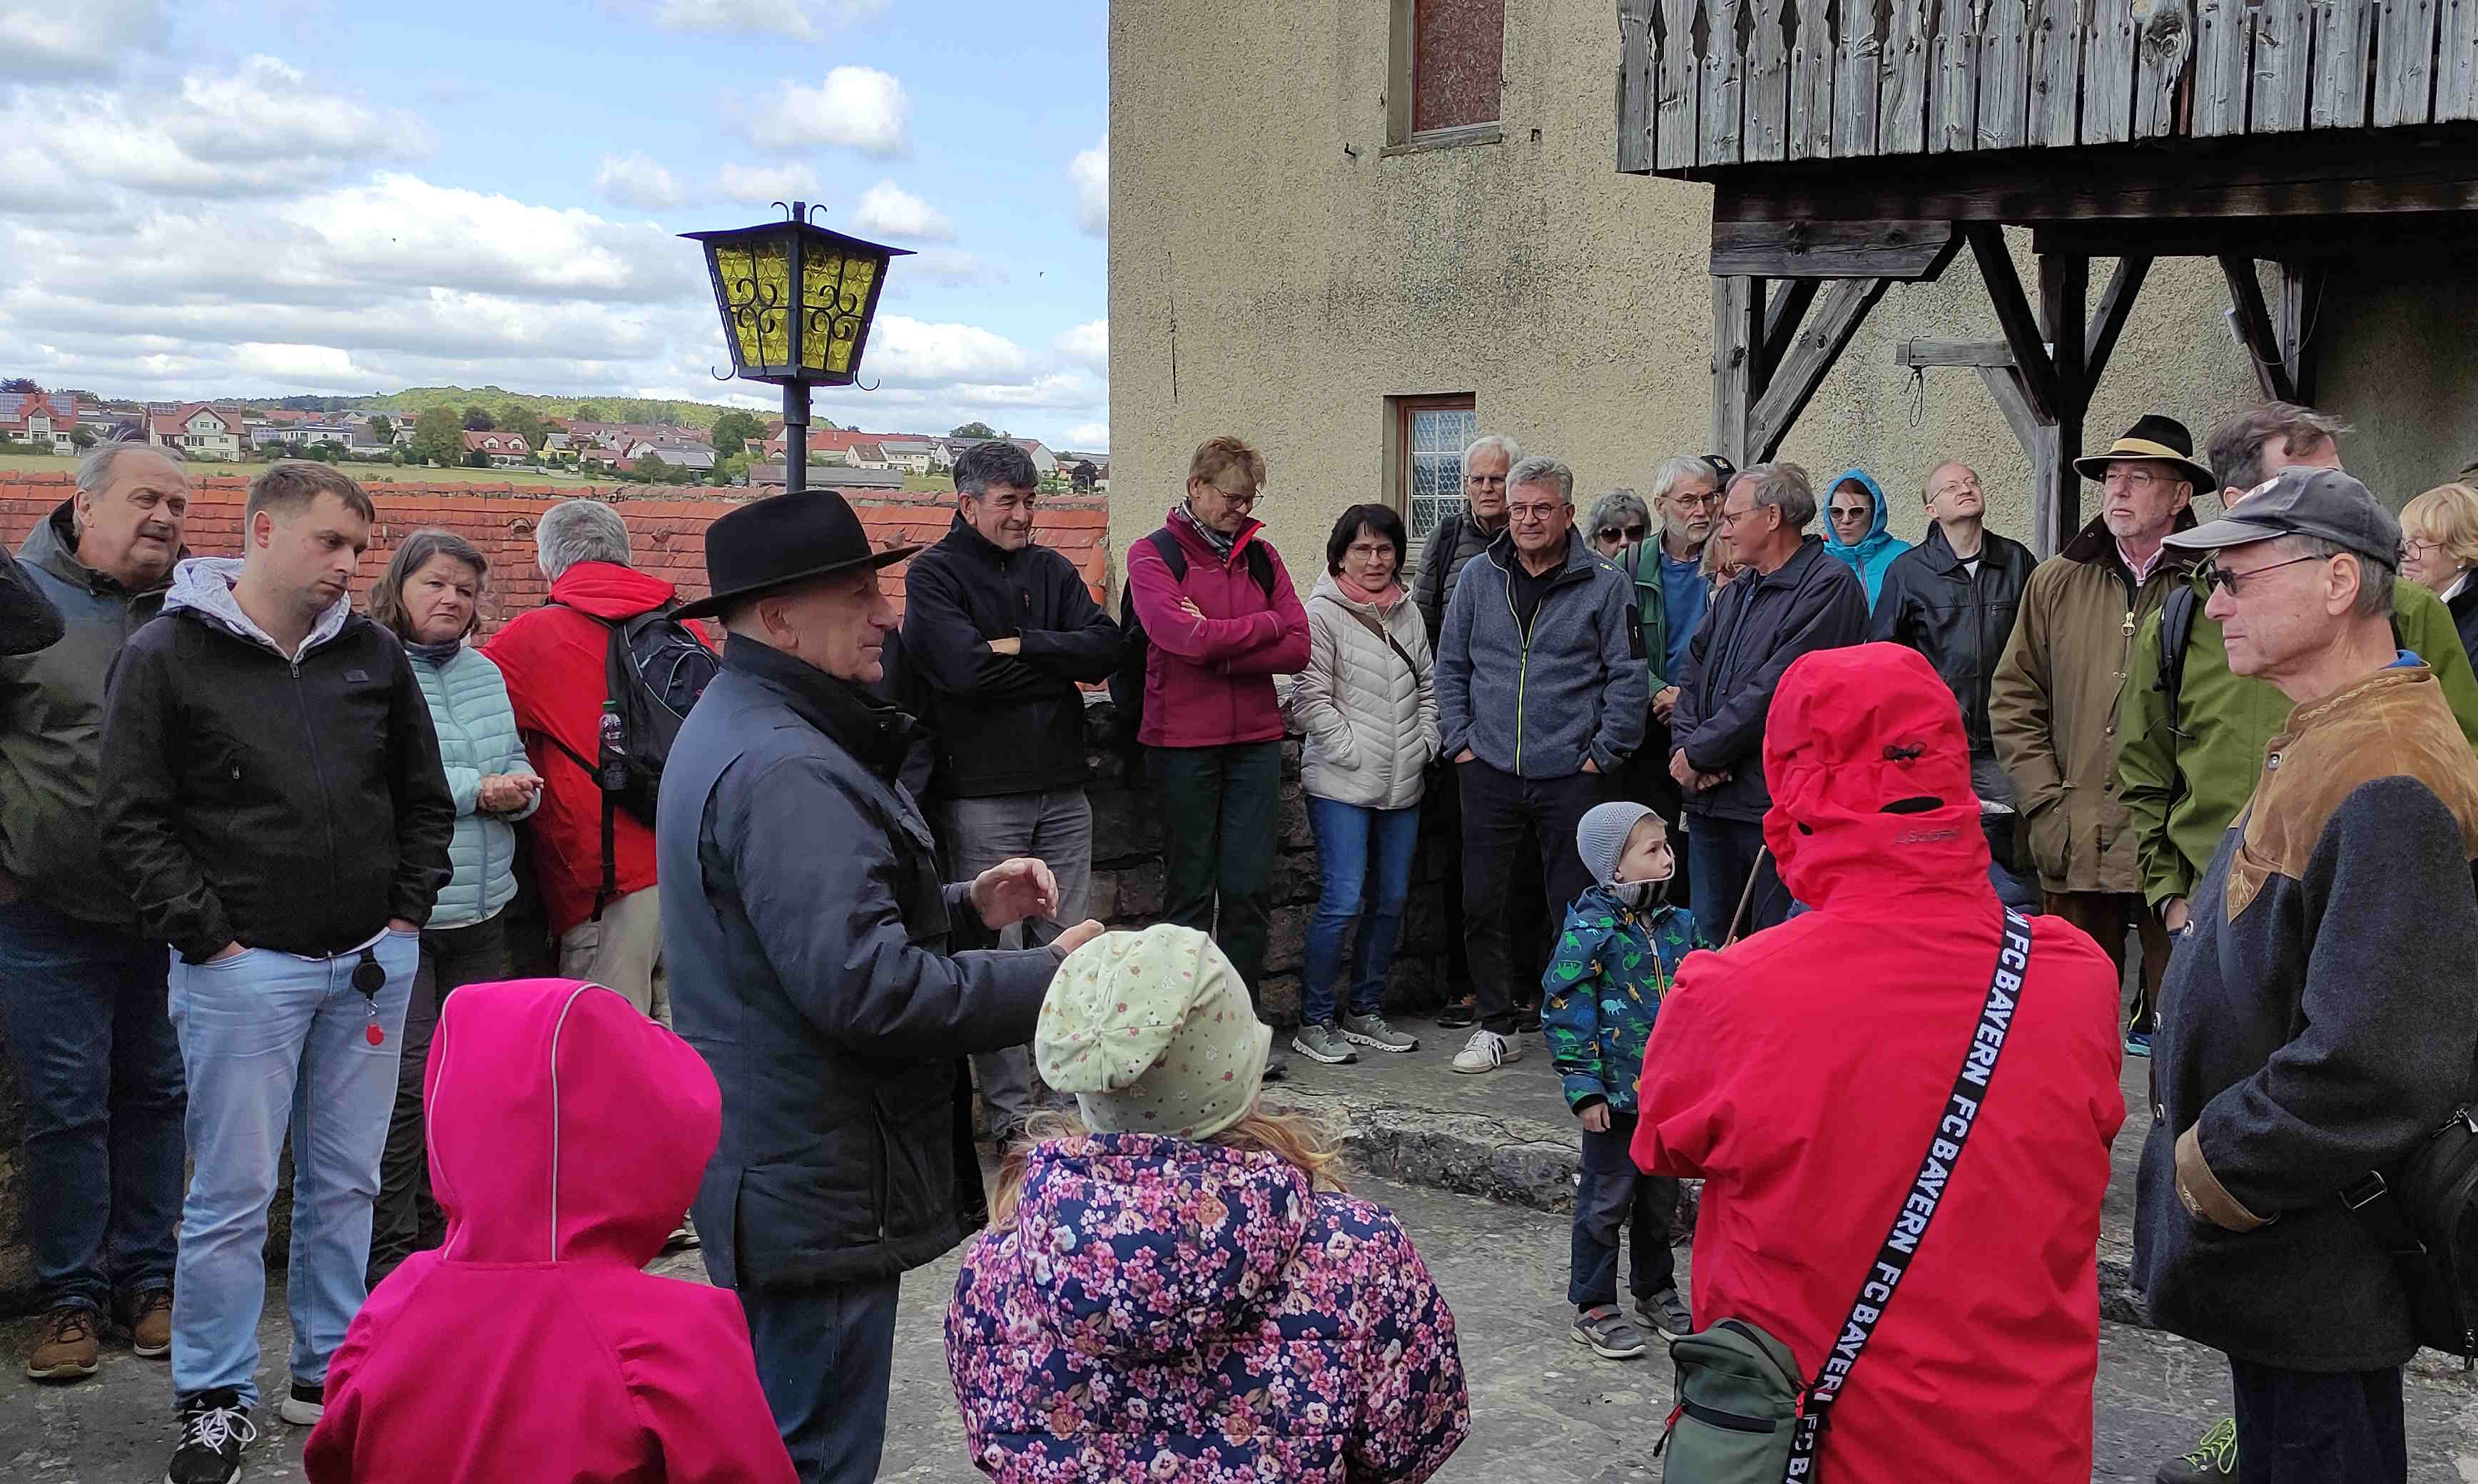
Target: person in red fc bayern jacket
1801, 1073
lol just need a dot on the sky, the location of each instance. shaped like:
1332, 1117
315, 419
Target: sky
220, 198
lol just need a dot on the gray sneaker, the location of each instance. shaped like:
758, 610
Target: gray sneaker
1323, 1043
1608, 1334
1370, 1030
1666, 1311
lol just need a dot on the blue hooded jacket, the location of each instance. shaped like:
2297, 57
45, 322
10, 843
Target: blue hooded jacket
1877, 550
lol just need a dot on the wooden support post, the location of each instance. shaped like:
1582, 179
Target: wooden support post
2116, 307
1782, 320
2014, 315
2038, 439
2301, 303
2255, 330
1820, 344
1737, 331
2064, 288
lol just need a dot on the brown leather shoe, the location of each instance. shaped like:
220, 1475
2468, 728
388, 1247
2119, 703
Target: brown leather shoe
149, 1318
69, 1349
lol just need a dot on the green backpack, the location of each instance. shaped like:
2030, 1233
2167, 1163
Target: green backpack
1742, 1414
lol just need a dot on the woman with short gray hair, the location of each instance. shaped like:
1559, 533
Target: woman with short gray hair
1619, 519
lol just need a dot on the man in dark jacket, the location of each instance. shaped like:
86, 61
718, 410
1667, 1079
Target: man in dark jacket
997, 632
273, 802
1953, 598
2306, 1040
1794, 599
1541, 694
80, 988
810, 936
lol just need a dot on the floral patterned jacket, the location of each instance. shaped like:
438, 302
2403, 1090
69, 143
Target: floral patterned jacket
1602, 991
1167, 1311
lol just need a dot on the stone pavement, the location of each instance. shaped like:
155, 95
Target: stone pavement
1545, 1411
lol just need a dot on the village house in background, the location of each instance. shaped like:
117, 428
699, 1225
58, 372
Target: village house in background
45, 419
1457, 252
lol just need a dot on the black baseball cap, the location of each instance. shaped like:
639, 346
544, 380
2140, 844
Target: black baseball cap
2319, 502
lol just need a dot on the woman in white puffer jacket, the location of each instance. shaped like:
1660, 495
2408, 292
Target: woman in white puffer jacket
1368, 705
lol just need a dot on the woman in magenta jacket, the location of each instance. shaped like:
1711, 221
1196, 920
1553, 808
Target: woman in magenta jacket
1212, 732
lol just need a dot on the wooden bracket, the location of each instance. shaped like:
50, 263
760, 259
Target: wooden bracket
1903, 251
2255, 329
1782, 320
1803, 371
2014, 315
2116, 307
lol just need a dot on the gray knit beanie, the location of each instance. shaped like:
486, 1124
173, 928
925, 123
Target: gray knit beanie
1602, 837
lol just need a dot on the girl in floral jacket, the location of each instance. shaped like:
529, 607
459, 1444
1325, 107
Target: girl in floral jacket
1172, 1296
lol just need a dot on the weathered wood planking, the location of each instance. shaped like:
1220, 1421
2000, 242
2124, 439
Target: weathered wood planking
2344, 33
1681, 81
2057, 71
1855, 62
2005, 75
1634, 86
1722, 123
2404, 54
1952, 92
2456, 64
2223, 49
2283, 36
1767, 129
2107, 73
1737, 328
1901, 111
1811, 61
2163, 40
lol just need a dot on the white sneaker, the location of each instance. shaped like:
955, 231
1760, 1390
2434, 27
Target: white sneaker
1486, 1051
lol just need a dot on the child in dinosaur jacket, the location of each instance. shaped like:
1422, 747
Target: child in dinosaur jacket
1615, 959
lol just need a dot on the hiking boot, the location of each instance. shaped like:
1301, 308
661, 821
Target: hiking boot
1323, 1043
1527, 1017
1606, 1331
2212, 1461
215, 1427
68, 1348
304, 1404
2138, 1043
1370, 1030
1486, 1051
1459, 1013
1666, 1311
148, 1319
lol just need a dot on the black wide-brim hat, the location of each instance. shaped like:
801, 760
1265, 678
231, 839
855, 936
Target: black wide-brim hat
781, 540
2154, 437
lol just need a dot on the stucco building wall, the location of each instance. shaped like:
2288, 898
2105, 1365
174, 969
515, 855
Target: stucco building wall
1276, 272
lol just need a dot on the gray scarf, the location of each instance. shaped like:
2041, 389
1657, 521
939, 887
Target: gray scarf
1222, 545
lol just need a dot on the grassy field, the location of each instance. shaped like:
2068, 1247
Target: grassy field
390, 473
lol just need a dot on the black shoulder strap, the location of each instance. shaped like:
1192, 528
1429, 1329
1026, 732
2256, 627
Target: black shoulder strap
1260, 567
1166, 546
2176, 627
1927, 1191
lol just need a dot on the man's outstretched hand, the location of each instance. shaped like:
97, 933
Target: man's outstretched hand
1014, 889
1078, 936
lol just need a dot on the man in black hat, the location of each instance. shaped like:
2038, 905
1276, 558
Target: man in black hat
2052, 705
2306, 1040
809, 936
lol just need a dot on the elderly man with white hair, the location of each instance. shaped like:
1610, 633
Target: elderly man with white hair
596, 863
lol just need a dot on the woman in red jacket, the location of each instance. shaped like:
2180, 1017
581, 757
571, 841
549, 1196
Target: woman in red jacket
1801, 1073
1220, 627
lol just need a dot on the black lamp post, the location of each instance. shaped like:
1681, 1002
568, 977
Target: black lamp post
797, 302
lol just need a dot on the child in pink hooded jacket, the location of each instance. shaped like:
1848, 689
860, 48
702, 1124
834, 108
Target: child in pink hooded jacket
567, 1133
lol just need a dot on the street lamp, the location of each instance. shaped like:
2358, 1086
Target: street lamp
796, 337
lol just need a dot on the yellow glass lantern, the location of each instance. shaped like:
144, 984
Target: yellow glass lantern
812, 336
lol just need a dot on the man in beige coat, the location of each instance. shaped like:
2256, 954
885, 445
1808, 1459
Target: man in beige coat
2053, 703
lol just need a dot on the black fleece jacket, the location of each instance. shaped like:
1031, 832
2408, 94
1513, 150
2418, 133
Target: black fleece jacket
1003, 723
293, 806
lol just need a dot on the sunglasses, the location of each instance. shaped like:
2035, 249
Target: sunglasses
2219, 577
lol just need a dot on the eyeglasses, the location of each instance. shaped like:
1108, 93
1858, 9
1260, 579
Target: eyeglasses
1483, 478
2220, 578
2416, 550
1632, 534
1850, 513
2141, 481
1707, 500
1235, 496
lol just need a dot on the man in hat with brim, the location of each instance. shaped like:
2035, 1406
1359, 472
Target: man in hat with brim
2052, 705
2312, 1032
810, 939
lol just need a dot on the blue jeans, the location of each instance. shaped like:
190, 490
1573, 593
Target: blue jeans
825, 1357
99, 1073
1347, 836
1612, 1197
1725, 853
273, 1041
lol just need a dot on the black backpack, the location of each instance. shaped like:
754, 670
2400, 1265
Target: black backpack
1128, 682
653, 671
2426, 1212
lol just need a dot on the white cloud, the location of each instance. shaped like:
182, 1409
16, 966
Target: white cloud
887, 210
1090, 170
908, 351
779, 17
48, 41
860, 107
1089, 436
638, 180
770, 183
1089, 343
266, 110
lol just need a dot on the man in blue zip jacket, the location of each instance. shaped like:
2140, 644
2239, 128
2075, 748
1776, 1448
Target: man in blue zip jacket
1541, 694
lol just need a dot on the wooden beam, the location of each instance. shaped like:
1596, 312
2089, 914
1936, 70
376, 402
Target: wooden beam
1820, 343
2055, 503
1635, 86
2064, 288
2301, 305
2255, 330
1782, 320
2115, 306
1986, 355
2013, 316
1904, 251
1738, 326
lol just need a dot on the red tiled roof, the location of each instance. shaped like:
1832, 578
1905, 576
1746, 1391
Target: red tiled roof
177, 420
16, 407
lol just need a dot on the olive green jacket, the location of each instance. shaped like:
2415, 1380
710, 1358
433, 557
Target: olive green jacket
2183, 782
2052, 708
